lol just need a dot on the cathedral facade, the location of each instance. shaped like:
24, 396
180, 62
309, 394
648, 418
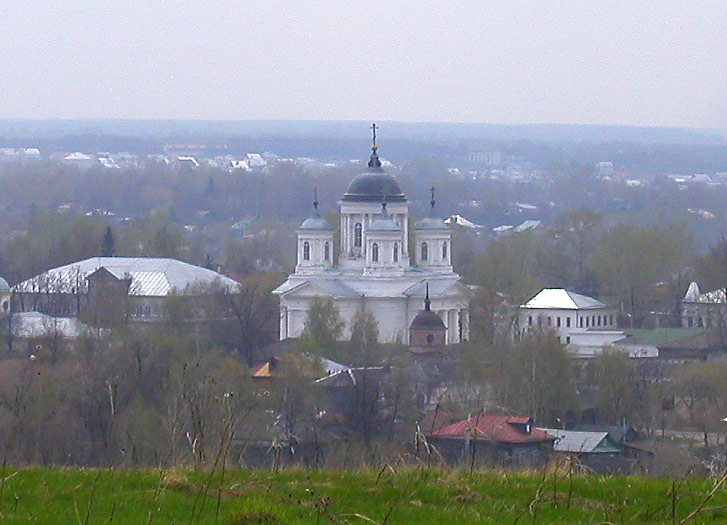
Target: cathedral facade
374, 268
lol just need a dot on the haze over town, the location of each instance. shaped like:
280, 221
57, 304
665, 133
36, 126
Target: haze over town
651, 63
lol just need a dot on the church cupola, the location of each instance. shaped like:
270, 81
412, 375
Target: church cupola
432, 242
315, 243
384, 244
427, 329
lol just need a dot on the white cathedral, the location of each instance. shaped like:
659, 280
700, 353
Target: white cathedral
376, 269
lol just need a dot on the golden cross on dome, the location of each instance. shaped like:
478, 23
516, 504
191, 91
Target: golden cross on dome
374, 127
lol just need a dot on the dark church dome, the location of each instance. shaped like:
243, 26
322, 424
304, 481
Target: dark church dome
427, 320
372, 186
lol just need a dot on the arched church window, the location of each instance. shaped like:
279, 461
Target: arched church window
306, 251
357, 235
396, 252
430, 339
375, 252
326, 251
425, 251
444, 250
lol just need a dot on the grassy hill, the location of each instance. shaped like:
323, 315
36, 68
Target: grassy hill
296, 496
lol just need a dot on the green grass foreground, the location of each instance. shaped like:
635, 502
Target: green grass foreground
298, 496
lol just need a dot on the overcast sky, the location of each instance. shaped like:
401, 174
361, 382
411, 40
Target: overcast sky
648, 62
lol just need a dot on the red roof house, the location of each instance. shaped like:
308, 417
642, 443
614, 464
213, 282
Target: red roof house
495, 439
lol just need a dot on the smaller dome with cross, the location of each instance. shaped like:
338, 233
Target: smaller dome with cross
427, 329
315, 221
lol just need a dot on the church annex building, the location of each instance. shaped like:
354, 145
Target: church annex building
377, 270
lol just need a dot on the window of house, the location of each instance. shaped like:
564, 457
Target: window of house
549, 320
610, 320
581, 322
567, 322
425, 251
396, 252
375, 252
530, 320
587, 320
306, 251
567, 340
326, 251
558, 322
357, 235
444, 250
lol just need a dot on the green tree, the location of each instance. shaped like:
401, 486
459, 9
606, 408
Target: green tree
507, 266
616, 386
253, 311
534, 377
578, 235
323, 327
365, 354
699, 388
108, 244
364, 340
630, 263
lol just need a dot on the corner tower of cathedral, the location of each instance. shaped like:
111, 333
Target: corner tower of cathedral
376, 271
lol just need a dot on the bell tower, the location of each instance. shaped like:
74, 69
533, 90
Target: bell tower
315, 243
433, 242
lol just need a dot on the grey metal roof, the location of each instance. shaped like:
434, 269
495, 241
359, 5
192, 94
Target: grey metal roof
150, 276
412, 284
384, 225
335, 287
561, 299
437, 287
315, 223
350, 376
578, 441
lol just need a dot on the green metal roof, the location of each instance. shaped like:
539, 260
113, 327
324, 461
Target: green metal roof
667, 337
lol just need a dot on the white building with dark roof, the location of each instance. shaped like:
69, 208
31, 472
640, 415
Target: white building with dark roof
374, 267
144, 283
578, 320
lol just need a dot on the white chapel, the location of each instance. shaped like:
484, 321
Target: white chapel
375, 269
